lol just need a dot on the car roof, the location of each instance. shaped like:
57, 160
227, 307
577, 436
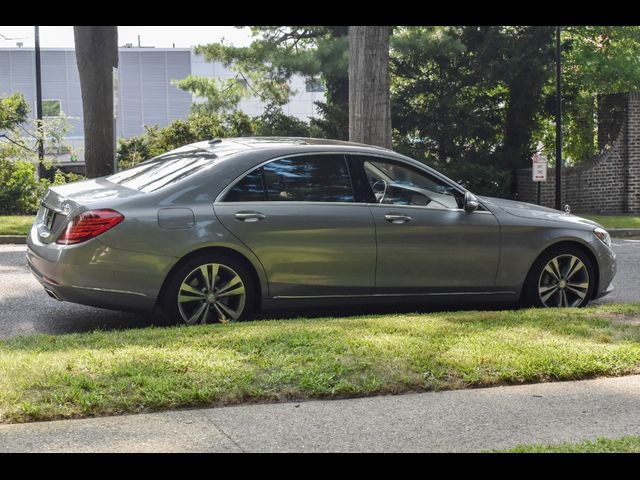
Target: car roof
238, 144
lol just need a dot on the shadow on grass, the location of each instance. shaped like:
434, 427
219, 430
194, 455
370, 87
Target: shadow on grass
320, 326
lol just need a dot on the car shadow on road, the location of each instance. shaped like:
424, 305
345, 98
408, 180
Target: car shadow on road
59, 318
87, 319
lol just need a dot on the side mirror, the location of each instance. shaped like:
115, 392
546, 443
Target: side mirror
470, 202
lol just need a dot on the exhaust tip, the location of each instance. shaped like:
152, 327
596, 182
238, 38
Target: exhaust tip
52, 294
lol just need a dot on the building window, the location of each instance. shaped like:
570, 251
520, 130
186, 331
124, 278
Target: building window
51, 108
314, 85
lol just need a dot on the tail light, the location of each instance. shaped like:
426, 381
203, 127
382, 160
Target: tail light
88, 225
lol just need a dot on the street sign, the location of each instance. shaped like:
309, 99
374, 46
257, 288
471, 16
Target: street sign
539, 168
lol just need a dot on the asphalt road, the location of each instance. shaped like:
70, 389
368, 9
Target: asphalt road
25, 309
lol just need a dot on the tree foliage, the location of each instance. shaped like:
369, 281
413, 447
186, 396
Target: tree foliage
13, 111
596, 60
264, 68
460, 99
197, 127
205, 126
20, 191
476, 100
19, 136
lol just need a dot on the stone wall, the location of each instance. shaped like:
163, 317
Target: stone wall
608, 183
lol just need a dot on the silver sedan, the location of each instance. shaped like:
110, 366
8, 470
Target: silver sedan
218, 230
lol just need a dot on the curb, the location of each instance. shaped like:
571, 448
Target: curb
13, 239
624, 232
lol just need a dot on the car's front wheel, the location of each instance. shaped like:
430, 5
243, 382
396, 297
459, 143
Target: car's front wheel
561, 277
211, 288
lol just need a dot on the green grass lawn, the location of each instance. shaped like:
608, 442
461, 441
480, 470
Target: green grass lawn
16, 224
111, 372
614, 221
601, 445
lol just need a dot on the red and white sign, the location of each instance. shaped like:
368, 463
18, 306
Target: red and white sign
539, 168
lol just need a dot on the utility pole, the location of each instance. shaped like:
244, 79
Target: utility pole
41, 171
558, 124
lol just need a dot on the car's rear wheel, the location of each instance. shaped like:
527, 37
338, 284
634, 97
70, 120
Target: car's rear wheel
561, 277
211, 288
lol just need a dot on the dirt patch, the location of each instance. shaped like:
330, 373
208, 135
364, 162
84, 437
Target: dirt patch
621, 318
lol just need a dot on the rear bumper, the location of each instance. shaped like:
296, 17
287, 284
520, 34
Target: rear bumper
95, 296
94, 274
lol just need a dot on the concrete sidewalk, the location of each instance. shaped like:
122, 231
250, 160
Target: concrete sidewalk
451, 421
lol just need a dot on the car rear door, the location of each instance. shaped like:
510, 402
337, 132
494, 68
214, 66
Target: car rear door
300, 217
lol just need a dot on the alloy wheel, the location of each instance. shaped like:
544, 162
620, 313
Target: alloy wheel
564, 282
211, 293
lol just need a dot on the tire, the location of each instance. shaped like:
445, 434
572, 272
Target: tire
190, 300
563, 276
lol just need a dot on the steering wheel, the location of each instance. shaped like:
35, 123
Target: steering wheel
384, 192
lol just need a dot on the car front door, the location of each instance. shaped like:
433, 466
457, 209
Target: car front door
300, 217
426, 242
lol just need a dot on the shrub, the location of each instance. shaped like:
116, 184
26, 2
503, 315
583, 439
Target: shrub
273, 122
19, 189
20, 192
61, 178
197, 127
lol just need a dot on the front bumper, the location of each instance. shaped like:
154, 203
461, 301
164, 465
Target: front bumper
607, 270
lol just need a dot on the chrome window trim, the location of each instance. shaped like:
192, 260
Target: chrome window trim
293, 202
391, 205
351, 204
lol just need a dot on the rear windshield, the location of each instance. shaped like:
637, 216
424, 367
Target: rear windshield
164, 170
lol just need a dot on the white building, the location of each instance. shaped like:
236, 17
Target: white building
146, 95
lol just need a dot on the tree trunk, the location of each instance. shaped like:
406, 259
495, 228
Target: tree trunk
369, 104
96, 55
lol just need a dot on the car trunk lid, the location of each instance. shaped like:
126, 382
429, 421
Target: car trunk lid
62, 203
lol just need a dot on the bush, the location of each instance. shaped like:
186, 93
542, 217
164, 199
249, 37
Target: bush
197, 127
61, 178
20, 192
274, 123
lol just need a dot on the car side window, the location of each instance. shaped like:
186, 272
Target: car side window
395, 183
313, 178
249, 189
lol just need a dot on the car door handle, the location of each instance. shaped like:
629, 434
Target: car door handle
250, 216
397, 218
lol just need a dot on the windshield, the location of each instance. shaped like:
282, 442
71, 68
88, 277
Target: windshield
164, 170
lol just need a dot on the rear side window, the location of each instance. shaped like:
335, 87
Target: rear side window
249, 189
318, 178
